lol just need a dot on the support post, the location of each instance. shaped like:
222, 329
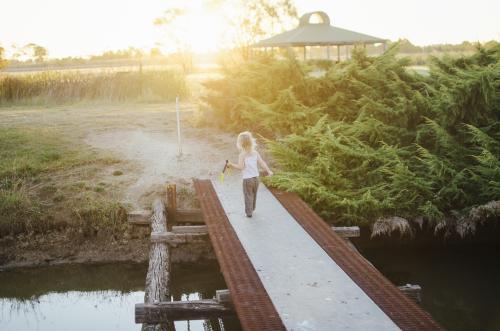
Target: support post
338, 53
171, 204
305, 53
412, 292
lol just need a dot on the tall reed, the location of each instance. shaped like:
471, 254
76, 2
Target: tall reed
51, 87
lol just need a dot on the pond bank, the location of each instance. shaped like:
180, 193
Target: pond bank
60, 248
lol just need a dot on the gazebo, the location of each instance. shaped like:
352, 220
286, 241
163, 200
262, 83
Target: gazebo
315, 31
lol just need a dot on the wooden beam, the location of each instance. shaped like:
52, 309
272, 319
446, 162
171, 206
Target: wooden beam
347, 231
158, 276
139, 217
190, 229
193, 216
173, 239
162, 312
412, 292
223, 296
182, 216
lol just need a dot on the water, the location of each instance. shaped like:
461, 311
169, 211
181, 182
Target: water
460, 288
98, 297
460, 284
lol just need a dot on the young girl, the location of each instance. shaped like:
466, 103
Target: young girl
247, 163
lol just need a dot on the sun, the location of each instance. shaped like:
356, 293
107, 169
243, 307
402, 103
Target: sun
198, 29
204, 31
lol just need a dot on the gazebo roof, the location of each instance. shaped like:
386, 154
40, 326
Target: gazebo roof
317, 34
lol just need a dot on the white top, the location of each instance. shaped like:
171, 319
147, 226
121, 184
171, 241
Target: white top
251, 169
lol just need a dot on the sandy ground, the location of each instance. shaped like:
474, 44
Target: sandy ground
144, 136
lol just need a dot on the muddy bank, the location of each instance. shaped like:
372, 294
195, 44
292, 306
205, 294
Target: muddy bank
62, 248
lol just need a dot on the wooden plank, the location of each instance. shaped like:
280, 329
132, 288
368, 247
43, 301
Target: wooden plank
139, 217
193, 216
158, 276
412, 292
347, 231
182, 216
171, 238
197, 229
223, 296
162, 312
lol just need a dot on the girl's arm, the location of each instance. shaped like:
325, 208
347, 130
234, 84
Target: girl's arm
240, 165
263, 164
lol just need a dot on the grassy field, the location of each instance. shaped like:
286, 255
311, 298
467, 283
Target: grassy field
60, 87
44, 186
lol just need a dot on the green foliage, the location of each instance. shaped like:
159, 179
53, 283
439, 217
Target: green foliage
95, 216
29, 196
370, 139
60, 87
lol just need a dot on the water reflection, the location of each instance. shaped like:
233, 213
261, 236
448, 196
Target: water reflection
460, 285
96, 297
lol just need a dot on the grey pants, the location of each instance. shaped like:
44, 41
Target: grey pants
250, 186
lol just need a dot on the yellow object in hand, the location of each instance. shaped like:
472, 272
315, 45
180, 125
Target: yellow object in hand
221, 176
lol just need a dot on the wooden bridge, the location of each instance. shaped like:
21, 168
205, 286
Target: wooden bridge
285, 268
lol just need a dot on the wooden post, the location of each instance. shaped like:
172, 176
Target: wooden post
305, 53
338, 53
171, 204
347, 231
412, 291
158, 277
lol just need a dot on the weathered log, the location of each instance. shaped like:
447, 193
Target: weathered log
180, 310
182, 216
347, 231
158, 277
412, 292
174, 239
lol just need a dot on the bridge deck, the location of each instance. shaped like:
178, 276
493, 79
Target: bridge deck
303, 268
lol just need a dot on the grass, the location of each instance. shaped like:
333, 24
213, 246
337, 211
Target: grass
54, 87
34, 200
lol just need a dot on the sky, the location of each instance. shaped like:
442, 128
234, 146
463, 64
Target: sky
84, 27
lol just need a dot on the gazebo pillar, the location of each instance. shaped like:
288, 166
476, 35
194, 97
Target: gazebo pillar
305, 52
338, 53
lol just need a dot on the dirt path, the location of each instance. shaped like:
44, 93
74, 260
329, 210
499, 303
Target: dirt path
157, 155
144, 136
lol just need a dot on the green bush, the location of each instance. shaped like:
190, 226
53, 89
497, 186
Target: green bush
371, 139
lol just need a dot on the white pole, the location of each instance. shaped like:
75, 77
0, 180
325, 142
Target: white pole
178, 125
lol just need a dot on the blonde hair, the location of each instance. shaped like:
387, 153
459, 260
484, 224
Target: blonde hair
246, 142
